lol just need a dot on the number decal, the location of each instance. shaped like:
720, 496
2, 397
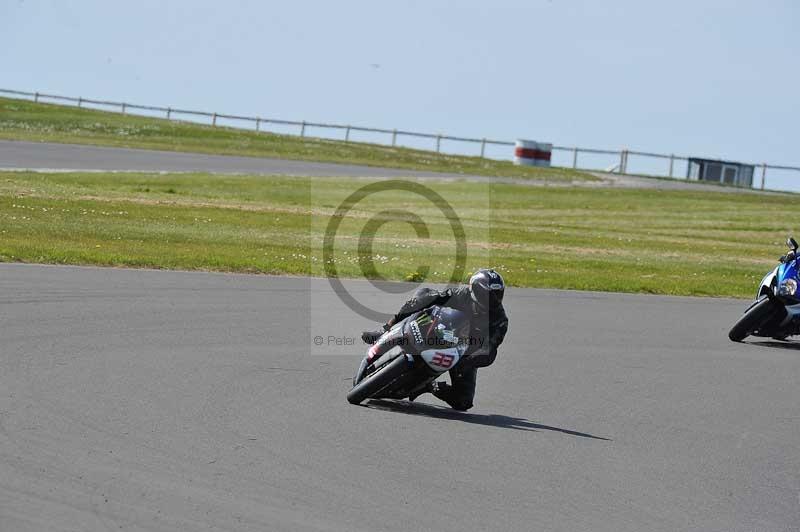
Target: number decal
443, 360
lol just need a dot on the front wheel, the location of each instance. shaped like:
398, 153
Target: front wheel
752, 320
375, 382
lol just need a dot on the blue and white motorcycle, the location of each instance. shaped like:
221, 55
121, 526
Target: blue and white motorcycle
776, 311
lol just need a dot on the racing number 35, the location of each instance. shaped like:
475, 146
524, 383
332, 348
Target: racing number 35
443, 360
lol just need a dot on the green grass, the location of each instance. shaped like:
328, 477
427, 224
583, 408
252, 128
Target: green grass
25, 120
654, 241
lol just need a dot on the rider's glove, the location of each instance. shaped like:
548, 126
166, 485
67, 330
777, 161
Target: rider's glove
370, 337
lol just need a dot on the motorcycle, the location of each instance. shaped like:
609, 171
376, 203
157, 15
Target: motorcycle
411, 355
775, 313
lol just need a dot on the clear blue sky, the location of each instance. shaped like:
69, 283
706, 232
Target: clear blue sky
711, 78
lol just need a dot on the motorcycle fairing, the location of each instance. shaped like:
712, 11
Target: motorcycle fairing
441, 360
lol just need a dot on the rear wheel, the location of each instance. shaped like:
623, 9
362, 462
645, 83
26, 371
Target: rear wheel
754, 319
375, 382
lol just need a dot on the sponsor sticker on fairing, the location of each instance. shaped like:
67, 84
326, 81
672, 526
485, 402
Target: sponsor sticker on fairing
416, 332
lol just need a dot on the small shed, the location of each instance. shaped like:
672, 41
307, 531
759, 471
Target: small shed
727, 172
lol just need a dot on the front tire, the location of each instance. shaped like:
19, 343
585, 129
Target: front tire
755, 317
375, 382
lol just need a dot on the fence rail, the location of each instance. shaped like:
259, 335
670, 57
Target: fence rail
621, 156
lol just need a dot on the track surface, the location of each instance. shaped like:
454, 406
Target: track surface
60, 157
42, 156
146, 400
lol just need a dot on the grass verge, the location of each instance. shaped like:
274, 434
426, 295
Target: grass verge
654, 241
37, 122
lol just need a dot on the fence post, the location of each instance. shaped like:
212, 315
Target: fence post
623, 160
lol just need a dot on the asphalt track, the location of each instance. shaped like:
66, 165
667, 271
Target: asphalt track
154, 400
46, 156
40, 156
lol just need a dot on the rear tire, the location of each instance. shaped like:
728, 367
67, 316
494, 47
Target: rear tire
753, 319
375, 382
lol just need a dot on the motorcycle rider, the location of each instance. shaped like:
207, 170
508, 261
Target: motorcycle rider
482, 300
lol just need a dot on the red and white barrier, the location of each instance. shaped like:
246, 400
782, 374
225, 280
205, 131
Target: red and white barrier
531, 153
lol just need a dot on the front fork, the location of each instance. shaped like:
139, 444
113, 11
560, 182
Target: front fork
790, 322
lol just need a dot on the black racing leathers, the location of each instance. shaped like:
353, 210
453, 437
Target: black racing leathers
487, 331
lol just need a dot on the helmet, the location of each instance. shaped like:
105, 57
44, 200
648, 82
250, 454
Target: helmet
487, 288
